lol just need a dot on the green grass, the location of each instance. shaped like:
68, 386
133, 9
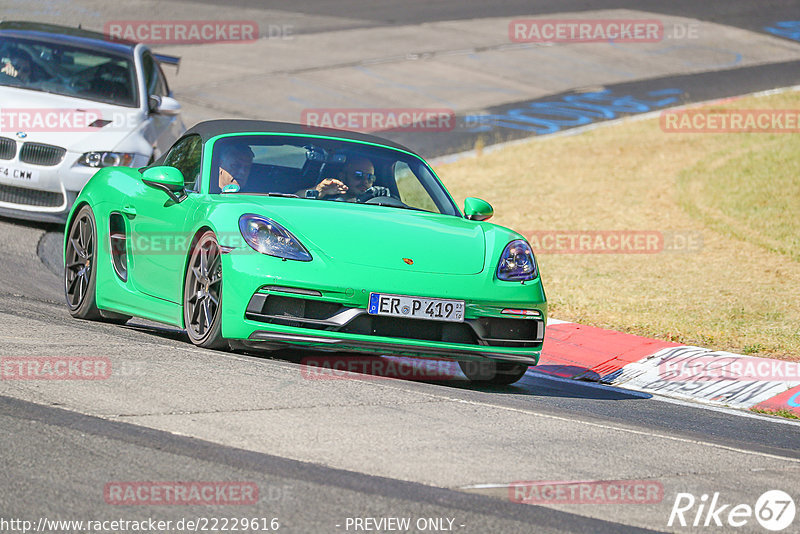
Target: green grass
739, 291
749, 192
788, 414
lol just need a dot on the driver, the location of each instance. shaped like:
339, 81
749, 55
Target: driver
19, 66
356, 179
234, 166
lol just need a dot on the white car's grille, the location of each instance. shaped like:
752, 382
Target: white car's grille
39, 154
30, 197
8, 148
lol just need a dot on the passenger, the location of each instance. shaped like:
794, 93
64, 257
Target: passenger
234, 166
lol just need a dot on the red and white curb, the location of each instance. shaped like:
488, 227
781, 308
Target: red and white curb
575, 351
580, 352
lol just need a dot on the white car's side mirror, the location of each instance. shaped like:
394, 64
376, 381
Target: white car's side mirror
163, 105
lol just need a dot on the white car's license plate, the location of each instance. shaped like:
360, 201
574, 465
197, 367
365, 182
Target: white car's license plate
416, 307
22, 175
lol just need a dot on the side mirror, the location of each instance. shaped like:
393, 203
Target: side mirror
476, 209
163, 105
168, 179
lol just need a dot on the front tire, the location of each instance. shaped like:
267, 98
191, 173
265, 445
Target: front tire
202, 295
492, 373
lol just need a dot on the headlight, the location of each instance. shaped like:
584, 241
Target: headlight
268, 237
517, 262
106, 159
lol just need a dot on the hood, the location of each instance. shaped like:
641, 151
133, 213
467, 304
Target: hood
62, 120
379, 236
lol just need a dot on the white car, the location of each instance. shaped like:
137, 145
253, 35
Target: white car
73, 101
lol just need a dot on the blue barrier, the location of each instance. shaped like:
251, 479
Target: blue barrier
546, 117
785, 28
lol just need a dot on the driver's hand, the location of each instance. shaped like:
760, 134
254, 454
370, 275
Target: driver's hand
226, 178
9, 69
331, 187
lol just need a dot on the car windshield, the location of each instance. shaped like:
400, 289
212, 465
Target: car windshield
326, 169
67, 70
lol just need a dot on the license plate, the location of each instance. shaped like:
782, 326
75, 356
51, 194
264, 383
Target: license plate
416, 307
23, 175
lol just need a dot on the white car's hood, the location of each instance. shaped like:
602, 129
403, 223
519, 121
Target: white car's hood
63, 121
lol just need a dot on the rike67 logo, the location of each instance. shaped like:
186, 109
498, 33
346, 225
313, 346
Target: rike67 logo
774, 510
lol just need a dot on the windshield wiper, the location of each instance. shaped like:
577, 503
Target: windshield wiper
404, 206
407, 207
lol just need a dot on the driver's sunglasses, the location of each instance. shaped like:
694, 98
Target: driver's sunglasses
365, 175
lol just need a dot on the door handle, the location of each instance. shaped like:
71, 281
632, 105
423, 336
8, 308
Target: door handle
130, 211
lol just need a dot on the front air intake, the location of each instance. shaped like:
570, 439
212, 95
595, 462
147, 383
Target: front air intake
39, 154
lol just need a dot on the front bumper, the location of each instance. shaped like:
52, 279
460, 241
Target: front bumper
335, 318
34, 213
393, 347
49, 192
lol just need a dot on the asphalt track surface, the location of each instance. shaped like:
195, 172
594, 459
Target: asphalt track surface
689, 88
322, 451
743, 14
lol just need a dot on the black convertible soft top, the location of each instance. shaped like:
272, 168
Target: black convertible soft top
208, 129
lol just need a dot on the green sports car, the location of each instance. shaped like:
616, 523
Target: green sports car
273, 235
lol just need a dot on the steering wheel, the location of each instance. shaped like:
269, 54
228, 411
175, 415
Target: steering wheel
377, 200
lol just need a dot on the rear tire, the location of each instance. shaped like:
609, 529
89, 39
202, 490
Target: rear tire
492, 373
80, 266
80, 271
202, 294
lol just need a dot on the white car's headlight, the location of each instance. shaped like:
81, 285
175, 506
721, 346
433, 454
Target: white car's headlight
517, 262
268, 237
106, 159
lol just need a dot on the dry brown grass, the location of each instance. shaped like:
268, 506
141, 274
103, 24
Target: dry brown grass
740, 292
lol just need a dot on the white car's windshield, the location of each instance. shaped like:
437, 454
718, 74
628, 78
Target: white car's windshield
326, 169
66, 70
